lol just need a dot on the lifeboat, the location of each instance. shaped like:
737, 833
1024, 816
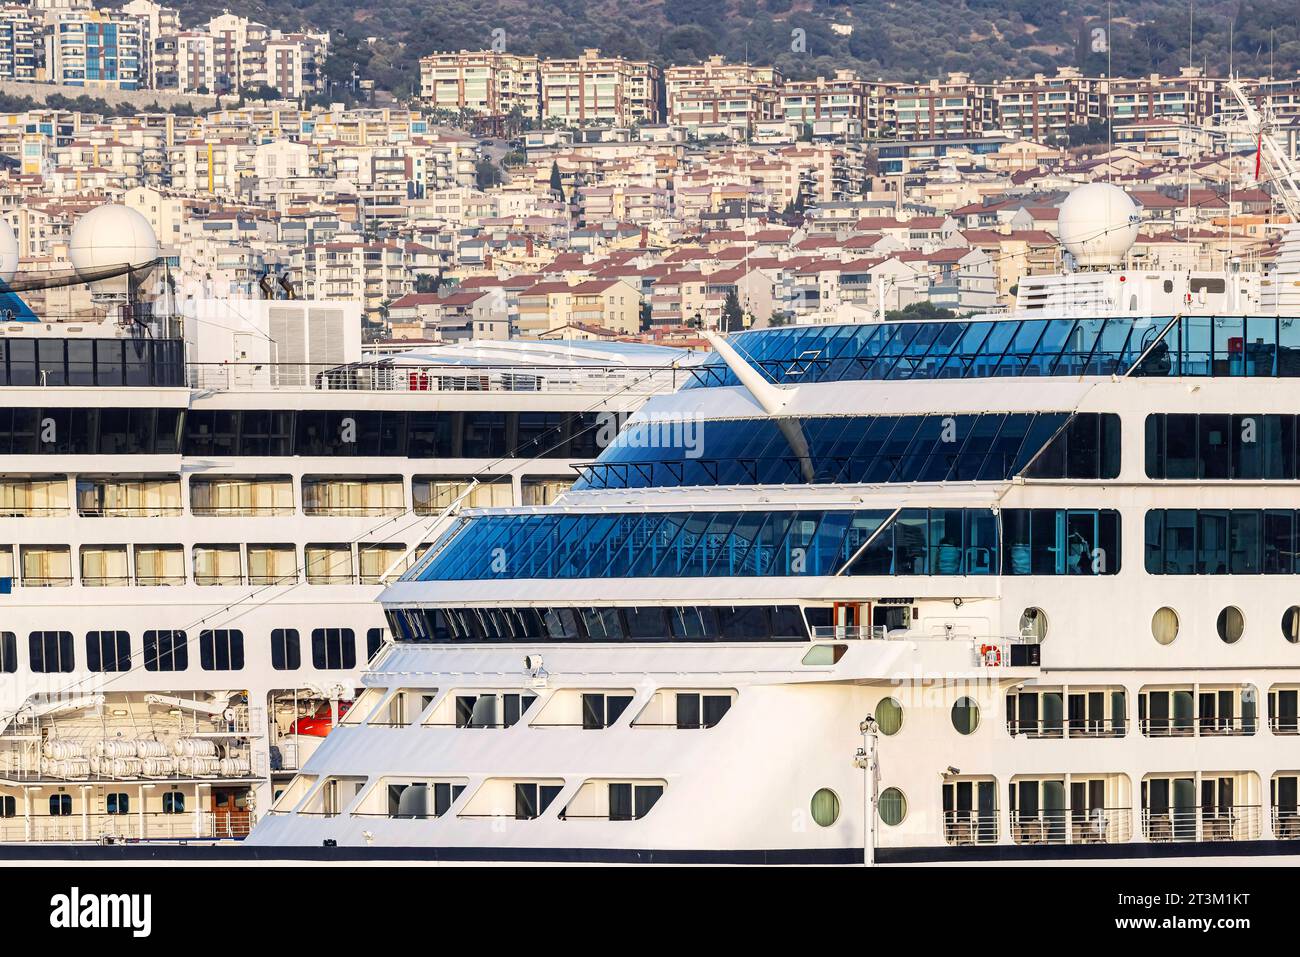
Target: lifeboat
318, 725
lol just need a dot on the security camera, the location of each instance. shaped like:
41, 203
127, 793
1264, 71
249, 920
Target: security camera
952, 770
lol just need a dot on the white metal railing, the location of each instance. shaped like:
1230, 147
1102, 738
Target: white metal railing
1100, 825
131, 826
383, 376
1237, 822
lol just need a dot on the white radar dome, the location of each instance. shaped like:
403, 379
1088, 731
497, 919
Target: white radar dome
111, 236
8, 253
1098, 225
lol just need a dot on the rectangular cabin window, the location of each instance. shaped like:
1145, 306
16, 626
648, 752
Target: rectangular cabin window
118, 496
35, 496
221, 649
166, 651
541, 490
103, 565
8, 652
272, 564
286, 653
431, 494
218, 565
333, 649
160, 564
224, 496
329, 564
352, 496
376, 558
108, 651
50, 651
46, 565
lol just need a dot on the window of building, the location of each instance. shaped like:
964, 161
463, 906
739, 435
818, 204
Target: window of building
221, 649
825, 807
117, 496
173, 802
352, 495
117, 802
225, 495
166, 651
374, 559
333, 649
1033, 624
60, 805
374, 641
104, 565
108, 651
50, 651
431, 494
286, 655
8, 806
218, 565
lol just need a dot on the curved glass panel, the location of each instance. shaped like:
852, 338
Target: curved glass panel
1192, 346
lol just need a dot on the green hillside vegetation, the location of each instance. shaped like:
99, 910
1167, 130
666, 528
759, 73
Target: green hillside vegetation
897, 39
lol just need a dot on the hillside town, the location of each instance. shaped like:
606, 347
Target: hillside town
600, 197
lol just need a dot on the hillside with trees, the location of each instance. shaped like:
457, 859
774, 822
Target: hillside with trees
898, 39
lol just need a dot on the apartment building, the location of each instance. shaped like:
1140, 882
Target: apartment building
837, 105
97, 49
940, 109
591, 89
720, 98
21, 50
484, 83
372, 274
196, 68
162, 25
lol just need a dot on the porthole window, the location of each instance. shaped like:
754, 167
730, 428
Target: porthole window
1164, 625
825, 807
1231, 624
966, 715
889, 716
1291, 624
892, 806
1033, 624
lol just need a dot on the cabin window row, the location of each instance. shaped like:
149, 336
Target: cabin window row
646, 623
196, 432
1221, 541
1221, 446
219, 649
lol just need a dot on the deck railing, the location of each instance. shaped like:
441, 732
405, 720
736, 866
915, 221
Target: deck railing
1237, 822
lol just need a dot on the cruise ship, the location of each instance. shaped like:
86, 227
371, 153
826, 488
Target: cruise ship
1011, 587
200, 504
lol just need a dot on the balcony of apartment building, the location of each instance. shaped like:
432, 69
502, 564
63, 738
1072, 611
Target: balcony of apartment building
1070, 809
1182, 711
1067, 712
1201, 806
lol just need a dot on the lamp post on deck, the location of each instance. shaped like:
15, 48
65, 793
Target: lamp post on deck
866, 760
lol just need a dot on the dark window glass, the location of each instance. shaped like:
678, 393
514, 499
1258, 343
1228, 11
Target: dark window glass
285, 652
333, 648
374, 640
50, 651
166, 651
108, 651
8, 652
221, 649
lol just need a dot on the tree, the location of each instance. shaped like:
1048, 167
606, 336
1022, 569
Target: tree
486, 174
924, 311
647, 316
733, 320
557, 183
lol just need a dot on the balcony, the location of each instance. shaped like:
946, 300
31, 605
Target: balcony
964, 828
1097, 825
1235, 822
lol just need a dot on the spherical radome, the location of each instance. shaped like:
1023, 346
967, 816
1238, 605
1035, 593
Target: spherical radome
111, 236
1098, 224
8, 253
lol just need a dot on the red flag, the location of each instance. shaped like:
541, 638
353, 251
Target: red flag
1259, 151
